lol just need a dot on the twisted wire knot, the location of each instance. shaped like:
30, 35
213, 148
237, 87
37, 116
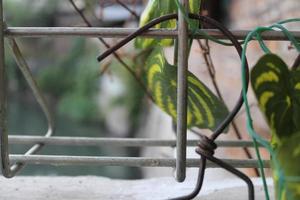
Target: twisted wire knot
206, 147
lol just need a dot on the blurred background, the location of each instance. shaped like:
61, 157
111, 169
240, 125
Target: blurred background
103, 100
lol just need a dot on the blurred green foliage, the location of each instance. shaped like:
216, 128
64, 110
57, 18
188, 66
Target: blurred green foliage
30, 12
73, 81
133, 96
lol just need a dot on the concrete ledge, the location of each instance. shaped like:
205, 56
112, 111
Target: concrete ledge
95, 188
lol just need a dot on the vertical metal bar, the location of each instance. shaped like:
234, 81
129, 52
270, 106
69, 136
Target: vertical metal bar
3, 97
7, 170
182, 94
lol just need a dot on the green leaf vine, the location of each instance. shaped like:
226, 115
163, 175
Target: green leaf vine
205, 110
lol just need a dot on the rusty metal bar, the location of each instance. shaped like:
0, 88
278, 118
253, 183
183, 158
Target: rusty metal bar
3, 101
180, 163
36, 32
125, 142
181, 129
124, 161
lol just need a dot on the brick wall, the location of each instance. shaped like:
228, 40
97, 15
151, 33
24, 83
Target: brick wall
250, 13
247, 14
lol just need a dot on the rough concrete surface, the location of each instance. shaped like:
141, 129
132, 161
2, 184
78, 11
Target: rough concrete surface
98, 188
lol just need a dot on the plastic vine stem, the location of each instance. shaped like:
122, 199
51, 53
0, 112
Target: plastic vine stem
256, 138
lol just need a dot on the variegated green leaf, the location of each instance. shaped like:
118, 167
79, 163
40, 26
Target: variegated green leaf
194, 6
155, 9
205, 110
288, 157
278, 92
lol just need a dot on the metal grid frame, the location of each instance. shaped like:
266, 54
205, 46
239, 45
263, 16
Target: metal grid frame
180, 162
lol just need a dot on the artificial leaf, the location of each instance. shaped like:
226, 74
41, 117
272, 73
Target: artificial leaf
158, 8
288, 158
205, 110
195, 9
278, 92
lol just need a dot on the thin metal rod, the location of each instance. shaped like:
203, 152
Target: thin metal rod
212, 72
182, 67
10, 171
124, 161
123, 32
135, 34
124, 142
199, 183
23, 66
226, 32
3, 101
207, 146
230, 168
240, 100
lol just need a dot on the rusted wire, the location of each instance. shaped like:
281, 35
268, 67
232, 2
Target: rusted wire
212, 73
207, 146
224, 30
135, 34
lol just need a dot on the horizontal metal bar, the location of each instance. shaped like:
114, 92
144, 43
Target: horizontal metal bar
122, 32
124, 161
127, 142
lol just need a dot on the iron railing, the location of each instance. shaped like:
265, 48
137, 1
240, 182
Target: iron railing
11, 164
